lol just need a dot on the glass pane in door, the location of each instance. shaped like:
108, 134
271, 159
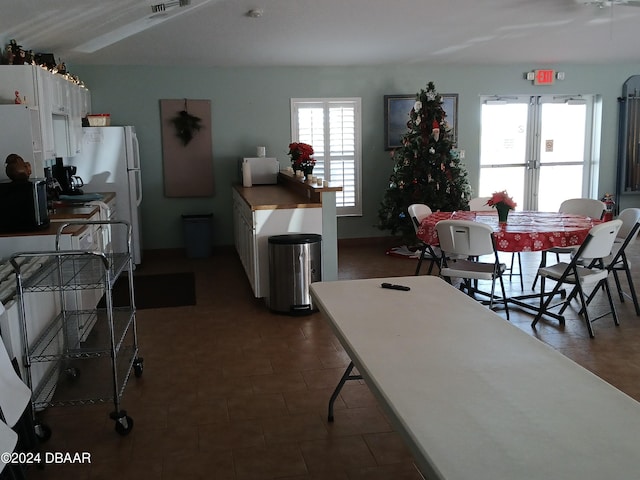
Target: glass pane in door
562, 152
503, 149
503, 134
557, 188
562, 133
510, 179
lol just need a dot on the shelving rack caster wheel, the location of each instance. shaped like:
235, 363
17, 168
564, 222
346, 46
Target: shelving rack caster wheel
138, 367
72, 373
42, 431
124, 423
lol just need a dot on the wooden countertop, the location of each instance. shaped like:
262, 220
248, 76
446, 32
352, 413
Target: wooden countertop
273, 197
67, 212
52, 229
288, 193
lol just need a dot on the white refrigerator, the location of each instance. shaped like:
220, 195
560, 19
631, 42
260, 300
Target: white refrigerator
110, 162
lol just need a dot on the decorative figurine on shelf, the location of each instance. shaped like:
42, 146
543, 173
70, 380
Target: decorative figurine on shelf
61, 68
17, 169
17, 100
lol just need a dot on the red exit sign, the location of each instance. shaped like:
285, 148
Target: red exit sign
544, 77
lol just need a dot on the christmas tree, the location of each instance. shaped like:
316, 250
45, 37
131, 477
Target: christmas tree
427, 168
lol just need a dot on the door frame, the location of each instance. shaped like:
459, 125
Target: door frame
591, 156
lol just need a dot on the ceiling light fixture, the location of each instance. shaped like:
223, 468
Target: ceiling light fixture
255, 13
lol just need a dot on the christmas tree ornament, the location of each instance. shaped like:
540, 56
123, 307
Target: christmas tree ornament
435, 132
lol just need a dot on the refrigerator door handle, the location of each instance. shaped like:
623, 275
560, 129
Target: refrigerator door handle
139, 180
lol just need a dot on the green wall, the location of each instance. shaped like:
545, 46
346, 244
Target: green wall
250, 107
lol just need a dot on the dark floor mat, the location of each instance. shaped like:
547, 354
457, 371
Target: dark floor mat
156, 291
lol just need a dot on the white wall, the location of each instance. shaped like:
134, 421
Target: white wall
250, 107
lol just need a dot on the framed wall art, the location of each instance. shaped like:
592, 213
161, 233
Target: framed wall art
396, 116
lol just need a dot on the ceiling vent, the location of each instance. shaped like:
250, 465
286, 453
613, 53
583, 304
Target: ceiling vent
163, 7
160, 12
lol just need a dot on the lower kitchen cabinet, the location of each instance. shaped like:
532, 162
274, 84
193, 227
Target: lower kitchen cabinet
255, 222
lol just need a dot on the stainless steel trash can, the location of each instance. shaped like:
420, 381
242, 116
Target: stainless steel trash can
294, 263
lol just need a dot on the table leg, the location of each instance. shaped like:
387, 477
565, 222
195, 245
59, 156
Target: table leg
346, 376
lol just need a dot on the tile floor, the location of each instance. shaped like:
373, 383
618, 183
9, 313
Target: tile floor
233, 391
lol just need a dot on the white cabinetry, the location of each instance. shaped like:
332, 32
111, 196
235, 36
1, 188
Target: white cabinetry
60, 105
20, 133
254, 225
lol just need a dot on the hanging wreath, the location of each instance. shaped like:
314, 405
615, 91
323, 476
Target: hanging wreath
186, 125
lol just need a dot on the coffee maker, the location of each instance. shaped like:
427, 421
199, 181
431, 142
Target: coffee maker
66, 176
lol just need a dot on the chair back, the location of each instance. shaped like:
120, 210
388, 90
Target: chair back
599, 242
630, 217
479, 204
14, 394
464, 237
588, 207
417, 212
8, 442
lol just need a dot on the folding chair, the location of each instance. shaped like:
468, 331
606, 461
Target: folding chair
417, 212
479, 204
15, 396
618, 261
8, 442
593, 250
587, 207
464, 238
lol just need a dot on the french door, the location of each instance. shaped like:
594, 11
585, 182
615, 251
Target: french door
538, 148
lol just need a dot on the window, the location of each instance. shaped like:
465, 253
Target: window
332, 127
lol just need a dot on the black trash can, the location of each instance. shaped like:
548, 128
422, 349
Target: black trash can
294, 263
198, 234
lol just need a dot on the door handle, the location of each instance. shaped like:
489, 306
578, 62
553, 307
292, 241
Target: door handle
532, 164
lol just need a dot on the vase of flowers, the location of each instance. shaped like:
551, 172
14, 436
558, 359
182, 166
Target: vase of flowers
502, 202
301, 157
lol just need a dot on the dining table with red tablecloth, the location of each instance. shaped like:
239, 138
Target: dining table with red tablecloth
524, 231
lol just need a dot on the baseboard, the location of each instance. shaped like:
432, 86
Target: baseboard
181, 252
386, 241
370, 241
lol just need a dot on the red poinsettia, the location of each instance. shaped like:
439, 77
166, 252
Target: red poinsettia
501, 198
301, 155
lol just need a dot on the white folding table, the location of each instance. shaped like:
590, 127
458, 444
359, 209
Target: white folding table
473, 396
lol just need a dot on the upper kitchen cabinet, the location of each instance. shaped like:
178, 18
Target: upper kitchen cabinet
20, 134
59, 102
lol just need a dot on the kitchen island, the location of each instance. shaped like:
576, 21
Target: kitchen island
288, 207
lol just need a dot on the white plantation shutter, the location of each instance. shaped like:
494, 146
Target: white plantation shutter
332, 128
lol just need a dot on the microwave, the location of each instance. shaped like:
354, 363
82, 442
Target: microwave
23, 205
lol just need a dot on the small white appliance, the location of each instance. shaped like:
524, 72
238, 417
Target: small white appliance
264, 170
110, 162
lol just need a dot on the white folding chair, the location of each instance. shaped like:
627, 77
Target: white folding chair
417, 212
618, 261
587, 207
15, 396
464, 238
593, 250
479, 204
8, 442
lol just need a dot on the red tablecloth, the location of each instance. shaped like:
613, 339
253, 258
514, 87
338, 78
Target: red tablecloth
524, 231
